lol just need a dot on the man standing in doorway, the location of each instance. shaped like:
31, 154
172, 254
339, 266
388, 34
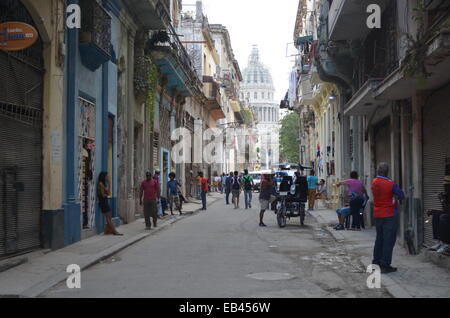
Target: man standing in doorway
313, 182
204, 189
248, 188
386, 194
150, 192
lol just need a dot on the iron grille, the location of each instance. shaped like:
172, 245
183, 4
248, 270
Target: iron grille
95, 25
379, 50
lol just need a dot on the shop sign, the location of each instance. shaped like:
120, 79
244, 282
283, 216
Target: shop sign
16, 36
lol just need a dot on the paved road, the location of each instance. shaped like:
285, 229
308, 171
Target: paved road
223, 252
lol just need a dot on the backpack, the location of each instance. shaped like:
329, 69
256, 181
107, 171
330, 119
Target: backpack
247, 183
236, 185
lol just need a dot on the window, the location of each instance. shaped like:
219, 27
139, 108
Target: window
263, 96
256, 95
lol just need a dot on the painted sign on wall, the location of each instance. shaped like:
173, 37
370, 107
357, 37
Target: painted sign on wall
15, 36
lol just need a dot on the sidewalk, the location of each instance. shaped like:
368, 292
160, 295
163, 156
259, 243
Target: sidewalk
43, 270
416, 277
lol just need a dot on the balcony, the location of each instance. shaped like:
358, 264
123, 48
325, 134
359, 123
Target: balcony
230, 86
347, 18
364, 101
151, 14
173, 61
95, 35
305, 91
212, 92
398, 86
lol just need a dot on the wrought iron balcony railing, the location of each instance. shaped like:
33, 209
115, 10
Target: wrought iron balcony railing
95, 34
169, 40
379, 54
211, 89
95, 26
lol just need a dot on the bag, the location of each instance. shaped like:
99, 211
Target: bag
236, 185
247, 184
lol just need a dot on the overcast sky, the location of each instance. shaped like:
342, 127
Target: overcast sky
267, 23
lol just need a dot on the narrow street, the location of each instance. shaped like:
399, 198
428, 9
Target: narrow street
224, 253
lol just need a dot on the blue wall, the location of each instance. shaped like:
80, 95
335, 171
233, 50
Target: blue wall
99, 86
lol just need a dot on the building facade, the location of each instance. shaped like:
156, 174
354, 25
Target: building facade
389, 104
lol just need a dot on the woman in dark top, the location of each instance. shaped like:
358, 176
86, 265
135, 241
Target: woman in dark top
264, 196
103, 193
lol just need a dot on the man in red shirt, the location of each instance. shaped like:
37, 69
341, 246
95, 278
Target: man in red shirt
204, 188
386, 193
151, 192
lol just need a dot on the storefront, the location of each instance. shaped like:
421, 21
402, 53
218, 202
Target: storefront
21, 117
436, 151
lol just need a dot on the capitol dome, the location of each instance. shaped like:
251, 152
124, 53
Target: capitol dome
258, 89
256, 74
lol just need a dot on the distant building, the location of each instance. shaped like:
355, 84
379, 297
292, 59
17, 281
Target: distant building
258, 89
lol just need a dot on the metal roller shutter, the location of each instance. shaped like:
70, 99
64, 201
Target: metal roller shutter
20, 140
436, 148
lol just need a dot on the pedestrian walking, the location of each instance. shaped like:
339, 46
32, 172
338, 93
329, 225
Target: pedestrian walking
236, 188
172, 193
386, 194
355, 199
103, 193
216, 183
312, 189
248, 185
265, 197
199, 185
228, 181
223, 182
149, 194
204, 189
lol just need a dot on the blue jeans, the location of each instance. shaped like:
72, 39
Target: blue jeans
386, 238
203, 199
227, 196
356, 205
248, 198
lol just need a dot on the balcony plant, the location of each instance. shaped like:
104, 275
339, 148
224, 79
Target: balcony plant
417, 46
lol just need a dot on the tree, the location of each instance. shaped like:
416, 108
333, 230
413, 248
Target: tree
289, 133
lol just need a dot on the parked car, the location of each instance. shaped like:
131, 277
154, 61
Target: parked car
256, 180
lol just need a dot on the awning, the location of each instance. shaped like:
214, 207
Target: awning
304, 39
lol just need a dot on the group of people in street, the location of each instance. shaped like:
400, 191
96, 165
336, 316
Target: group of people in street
235, 184
386, 197
151, 200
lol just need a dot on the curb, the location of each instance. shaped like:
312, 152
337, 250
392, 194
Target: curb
41, 287
393, 288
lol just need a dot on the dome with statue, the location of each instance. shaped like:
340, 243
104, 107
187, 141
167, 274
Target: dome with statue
258, 89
